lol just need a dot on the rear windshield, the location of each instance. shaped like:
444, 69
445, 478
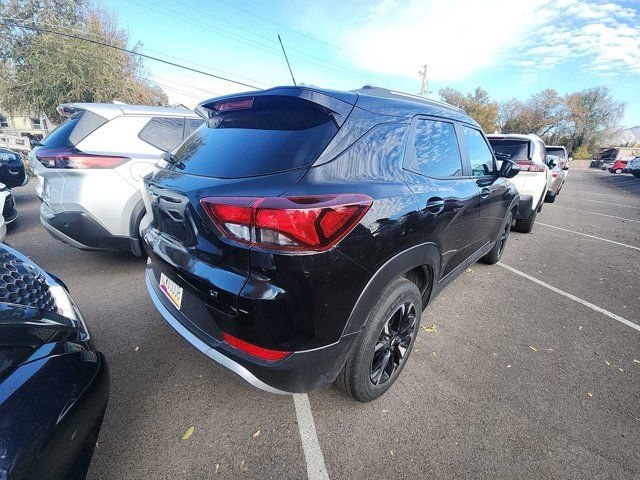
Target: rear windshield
72, 131
264, 135
560, 152
518, 150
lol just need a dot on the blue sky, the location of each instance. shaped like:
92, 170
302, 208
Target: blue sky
510, 48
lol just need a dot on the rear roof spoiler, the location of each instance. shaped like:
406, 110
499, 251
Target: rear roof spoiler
340, 103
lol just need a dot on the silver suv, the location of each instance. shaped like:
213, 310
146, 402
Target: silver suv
89, 170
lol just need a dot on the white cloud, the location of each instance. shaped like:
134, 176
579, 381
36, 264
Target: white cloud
456, 38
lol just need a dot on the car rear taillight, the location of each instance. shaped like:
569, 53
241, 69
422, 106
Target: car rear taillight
312, 223
255, 350
554, 174
528, 166
71, 158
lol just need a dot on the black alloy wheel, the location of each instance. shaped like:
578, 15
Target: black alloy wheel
392, 345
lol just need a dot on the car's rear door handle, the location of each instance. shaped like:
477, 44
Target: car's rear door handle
435, 205
484, 193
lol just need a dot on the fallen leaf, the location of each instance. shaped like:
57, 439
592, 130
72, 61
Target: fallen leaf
549, 349
469, 270
136, 349
580, 327
620, 369
256, 434
532, 348
607, 362
589, 394
392, 452
385, 411
430, 329
636, 360
508, 366
216, 467
188, 433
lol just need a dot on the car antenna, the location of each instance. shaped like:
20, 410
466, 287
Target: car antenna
287, 59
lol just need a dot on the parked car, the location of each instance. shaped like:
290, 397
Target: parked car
89, 170
633, 167
8, 209
606, 166
561, 152
12, 172
54, 384
294, 241
558, 177
534, 179
618, 166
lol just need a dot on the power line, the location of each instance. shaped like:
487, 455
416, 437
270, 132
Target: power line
184, 60
95, 42
284, 26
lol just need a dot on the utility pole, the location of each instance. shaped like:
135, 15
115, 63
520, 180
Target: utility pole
423, 73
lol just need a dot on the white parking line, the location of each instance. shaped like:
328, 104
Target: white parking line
596, 213
600, 201
316, 469
590, 236
590, 305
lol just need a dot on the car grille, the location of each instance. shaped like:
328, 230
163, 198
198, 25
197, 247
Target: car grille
23, 284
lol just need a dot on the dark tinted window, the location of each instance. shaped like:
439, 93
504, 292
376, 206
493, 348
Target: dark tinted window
435, 149
74, 130
560, 152
164, 133
59, 138
518, 150
267, 134
480, 155
191, 125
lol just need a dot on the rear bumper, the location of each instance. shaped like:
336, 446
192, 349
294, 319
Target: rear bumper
302, 371
525, 207
80, 230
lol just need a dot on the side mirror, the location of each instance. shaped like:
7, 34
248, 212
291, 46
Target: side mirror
508, 169
551, 163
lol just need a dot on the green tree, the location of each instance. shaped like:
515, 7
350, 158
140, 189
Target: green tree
41, 70
543, 114
593, 115
477, 105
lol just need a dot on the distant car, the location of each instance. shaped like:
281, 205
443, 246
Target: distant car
12, 172
606, 166
54, 385
89, 170
633, 167
558, 177
560, 152
618, 166
534, 179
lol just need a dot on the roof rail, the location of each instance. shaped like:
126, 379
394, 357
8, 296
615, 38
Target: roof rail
386, 92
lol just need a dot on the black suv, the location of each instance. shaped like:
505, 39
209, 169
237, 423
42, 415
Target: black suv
297, 236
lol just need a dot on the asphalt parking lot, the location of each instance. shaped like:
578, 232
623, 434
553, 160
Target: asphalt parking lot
516, 380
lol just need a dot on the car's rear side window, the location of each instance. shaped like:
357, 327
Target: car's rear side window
165, 133
266, 134
74, 130
518, 150
435, 149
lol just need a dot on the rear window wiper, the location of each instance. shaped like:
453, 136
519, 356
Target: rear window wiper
173, 160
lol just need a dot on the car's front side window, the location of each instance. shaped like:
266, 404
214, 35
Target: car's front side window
435, 149
480, 155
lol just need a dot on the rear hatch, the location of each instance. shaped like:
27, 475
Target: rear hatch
518, 151
58, 153
252, 147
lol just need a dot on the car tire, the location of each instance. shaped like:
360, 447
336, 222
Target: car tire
525, 225
550, 198
618, 170
494, 255
393, 321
